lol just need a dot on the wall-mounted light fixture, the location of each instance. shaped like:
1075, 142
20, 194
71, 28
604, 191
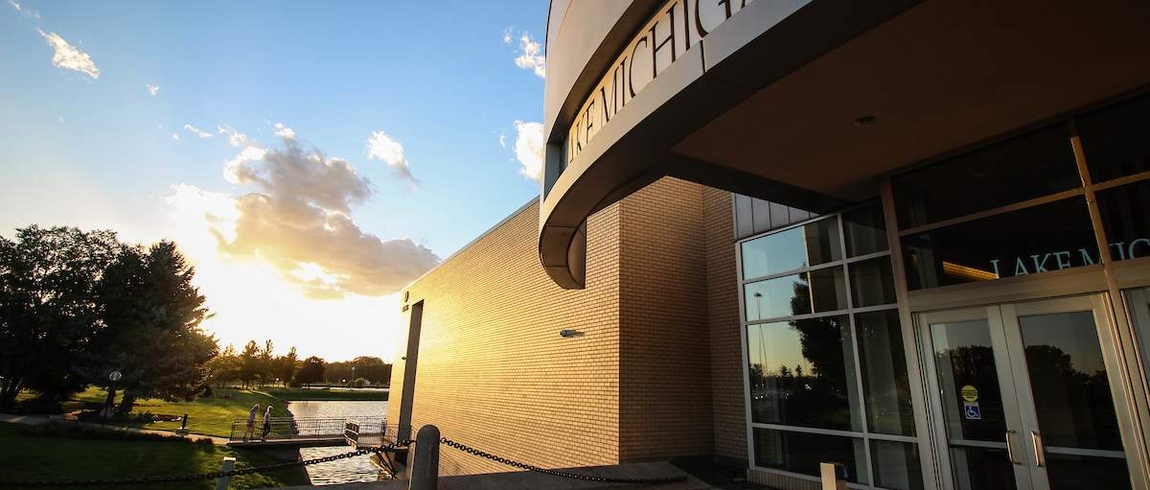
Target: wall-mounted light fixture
568, 333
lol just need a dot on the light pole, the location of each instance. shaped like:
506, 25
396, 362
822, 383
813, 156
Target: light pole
353, 375
114, 376
758, 306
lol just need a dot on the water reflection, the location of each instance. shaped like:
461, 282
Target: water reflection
350, 470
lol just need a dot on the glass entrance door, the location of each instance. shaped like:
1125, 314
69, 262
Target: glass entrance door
1023, 397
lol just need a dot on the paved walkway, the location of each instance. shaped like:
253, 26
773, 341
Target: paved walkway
41, 419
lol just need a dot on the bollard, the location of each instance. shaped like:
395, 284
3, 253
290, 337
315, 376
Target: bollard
834, 476
425, 461
229, 464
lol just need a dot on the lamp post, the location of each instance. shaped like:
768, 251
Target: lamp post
114, 376
353, 375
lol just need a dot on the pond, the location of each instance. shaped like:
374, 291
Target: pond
350, 470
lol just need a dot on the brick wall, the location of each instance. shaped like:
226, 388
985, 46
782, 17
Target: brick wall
664, 376
493, 371
638, 384
726, 339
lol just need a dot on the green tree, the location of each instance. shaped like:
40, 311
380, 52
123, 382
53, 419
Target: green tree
266, 363
224, 367
285, 366
249, 363
152, 314
310, 371
48, 318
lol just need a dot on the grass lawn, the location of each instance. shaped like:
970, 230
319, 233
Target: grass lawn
31, 458
209, 416
353, 394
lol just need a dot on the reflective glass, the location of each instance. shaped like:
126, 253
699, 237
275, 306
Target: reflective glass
1033, 165
1116, 139
1039, 239
896, 465
865, 230
825, 290
802, 373
965, 369
811, 244
774, 253
1075, 472
1069, 382
778, 297
885, 383
802, 453
978, 468
828, 290
1125, 214
872, 283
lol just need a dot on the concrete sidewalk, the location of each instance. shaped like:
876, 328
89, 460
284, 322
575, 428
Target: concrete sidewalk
43, 419
527, 480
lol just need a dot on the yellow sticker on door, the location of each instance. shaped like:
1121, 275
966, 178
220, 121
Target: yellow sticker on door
969, 393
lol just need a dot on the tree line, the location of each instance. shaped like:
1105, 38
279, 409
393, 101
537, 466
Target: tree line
257, 364
77, 305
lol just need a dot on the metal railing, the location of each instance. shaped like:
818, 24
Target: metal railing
292, 428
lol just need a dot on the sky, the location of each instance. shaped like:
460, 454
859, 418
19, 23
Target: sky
309, 158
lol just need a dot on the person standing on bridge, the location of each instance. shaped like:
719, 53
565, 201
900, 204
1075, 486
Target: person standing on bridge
267, 424
250, 432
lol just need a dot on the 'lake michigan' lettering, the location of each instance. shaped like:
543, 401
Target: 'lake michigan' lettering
677, 27
1065, 259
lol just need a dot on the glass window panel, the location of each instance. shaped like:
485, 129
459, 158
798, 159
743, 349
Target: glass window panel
1138, 309
1125, 214
802, 453
1072, 472
774, 253
823, 242
872, 283
896, 465
1116, 139
1033, 165
778, 297
1069, 382
866, 231
794, 295
885, 383
811, 244
981, 469
802, 373
828, 290
1039, 239
964, 358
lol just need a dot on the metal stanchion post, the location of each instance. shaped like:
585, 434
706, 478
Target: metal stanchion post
425, 462
229, 464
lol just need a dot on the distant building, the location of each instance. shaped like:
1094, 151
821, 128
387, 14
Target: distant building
908, 237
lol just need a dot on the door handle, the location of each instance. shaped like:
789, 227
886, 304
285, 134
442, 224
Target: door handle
1010, 448
1039, 451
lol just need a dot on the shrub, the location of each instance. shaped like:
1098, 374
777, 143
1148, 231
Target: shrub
85, 431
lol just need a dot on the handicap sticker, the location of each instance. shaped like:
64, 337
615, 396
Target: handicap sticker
971, 411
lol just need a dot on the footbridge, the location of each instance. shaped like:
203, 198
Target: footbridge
365, 431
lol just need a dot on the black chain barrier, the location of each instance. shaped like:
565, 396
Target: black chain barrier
204, 476
562, 474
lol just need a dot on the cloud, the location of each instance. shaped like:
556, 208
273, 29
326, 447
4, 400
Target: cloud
502, 139
382, 147
529, 149
507, 35
234, 168
298, 218
26, 11
284, 131
68, 57
235, 138
529, 56
196, 131
153, 89
176, 136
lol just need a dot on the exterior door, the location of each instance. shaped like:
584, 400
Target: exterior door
1023, 397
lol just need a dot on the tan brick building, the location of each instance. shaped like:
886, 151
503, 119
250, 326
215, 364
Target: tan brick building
651, 372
